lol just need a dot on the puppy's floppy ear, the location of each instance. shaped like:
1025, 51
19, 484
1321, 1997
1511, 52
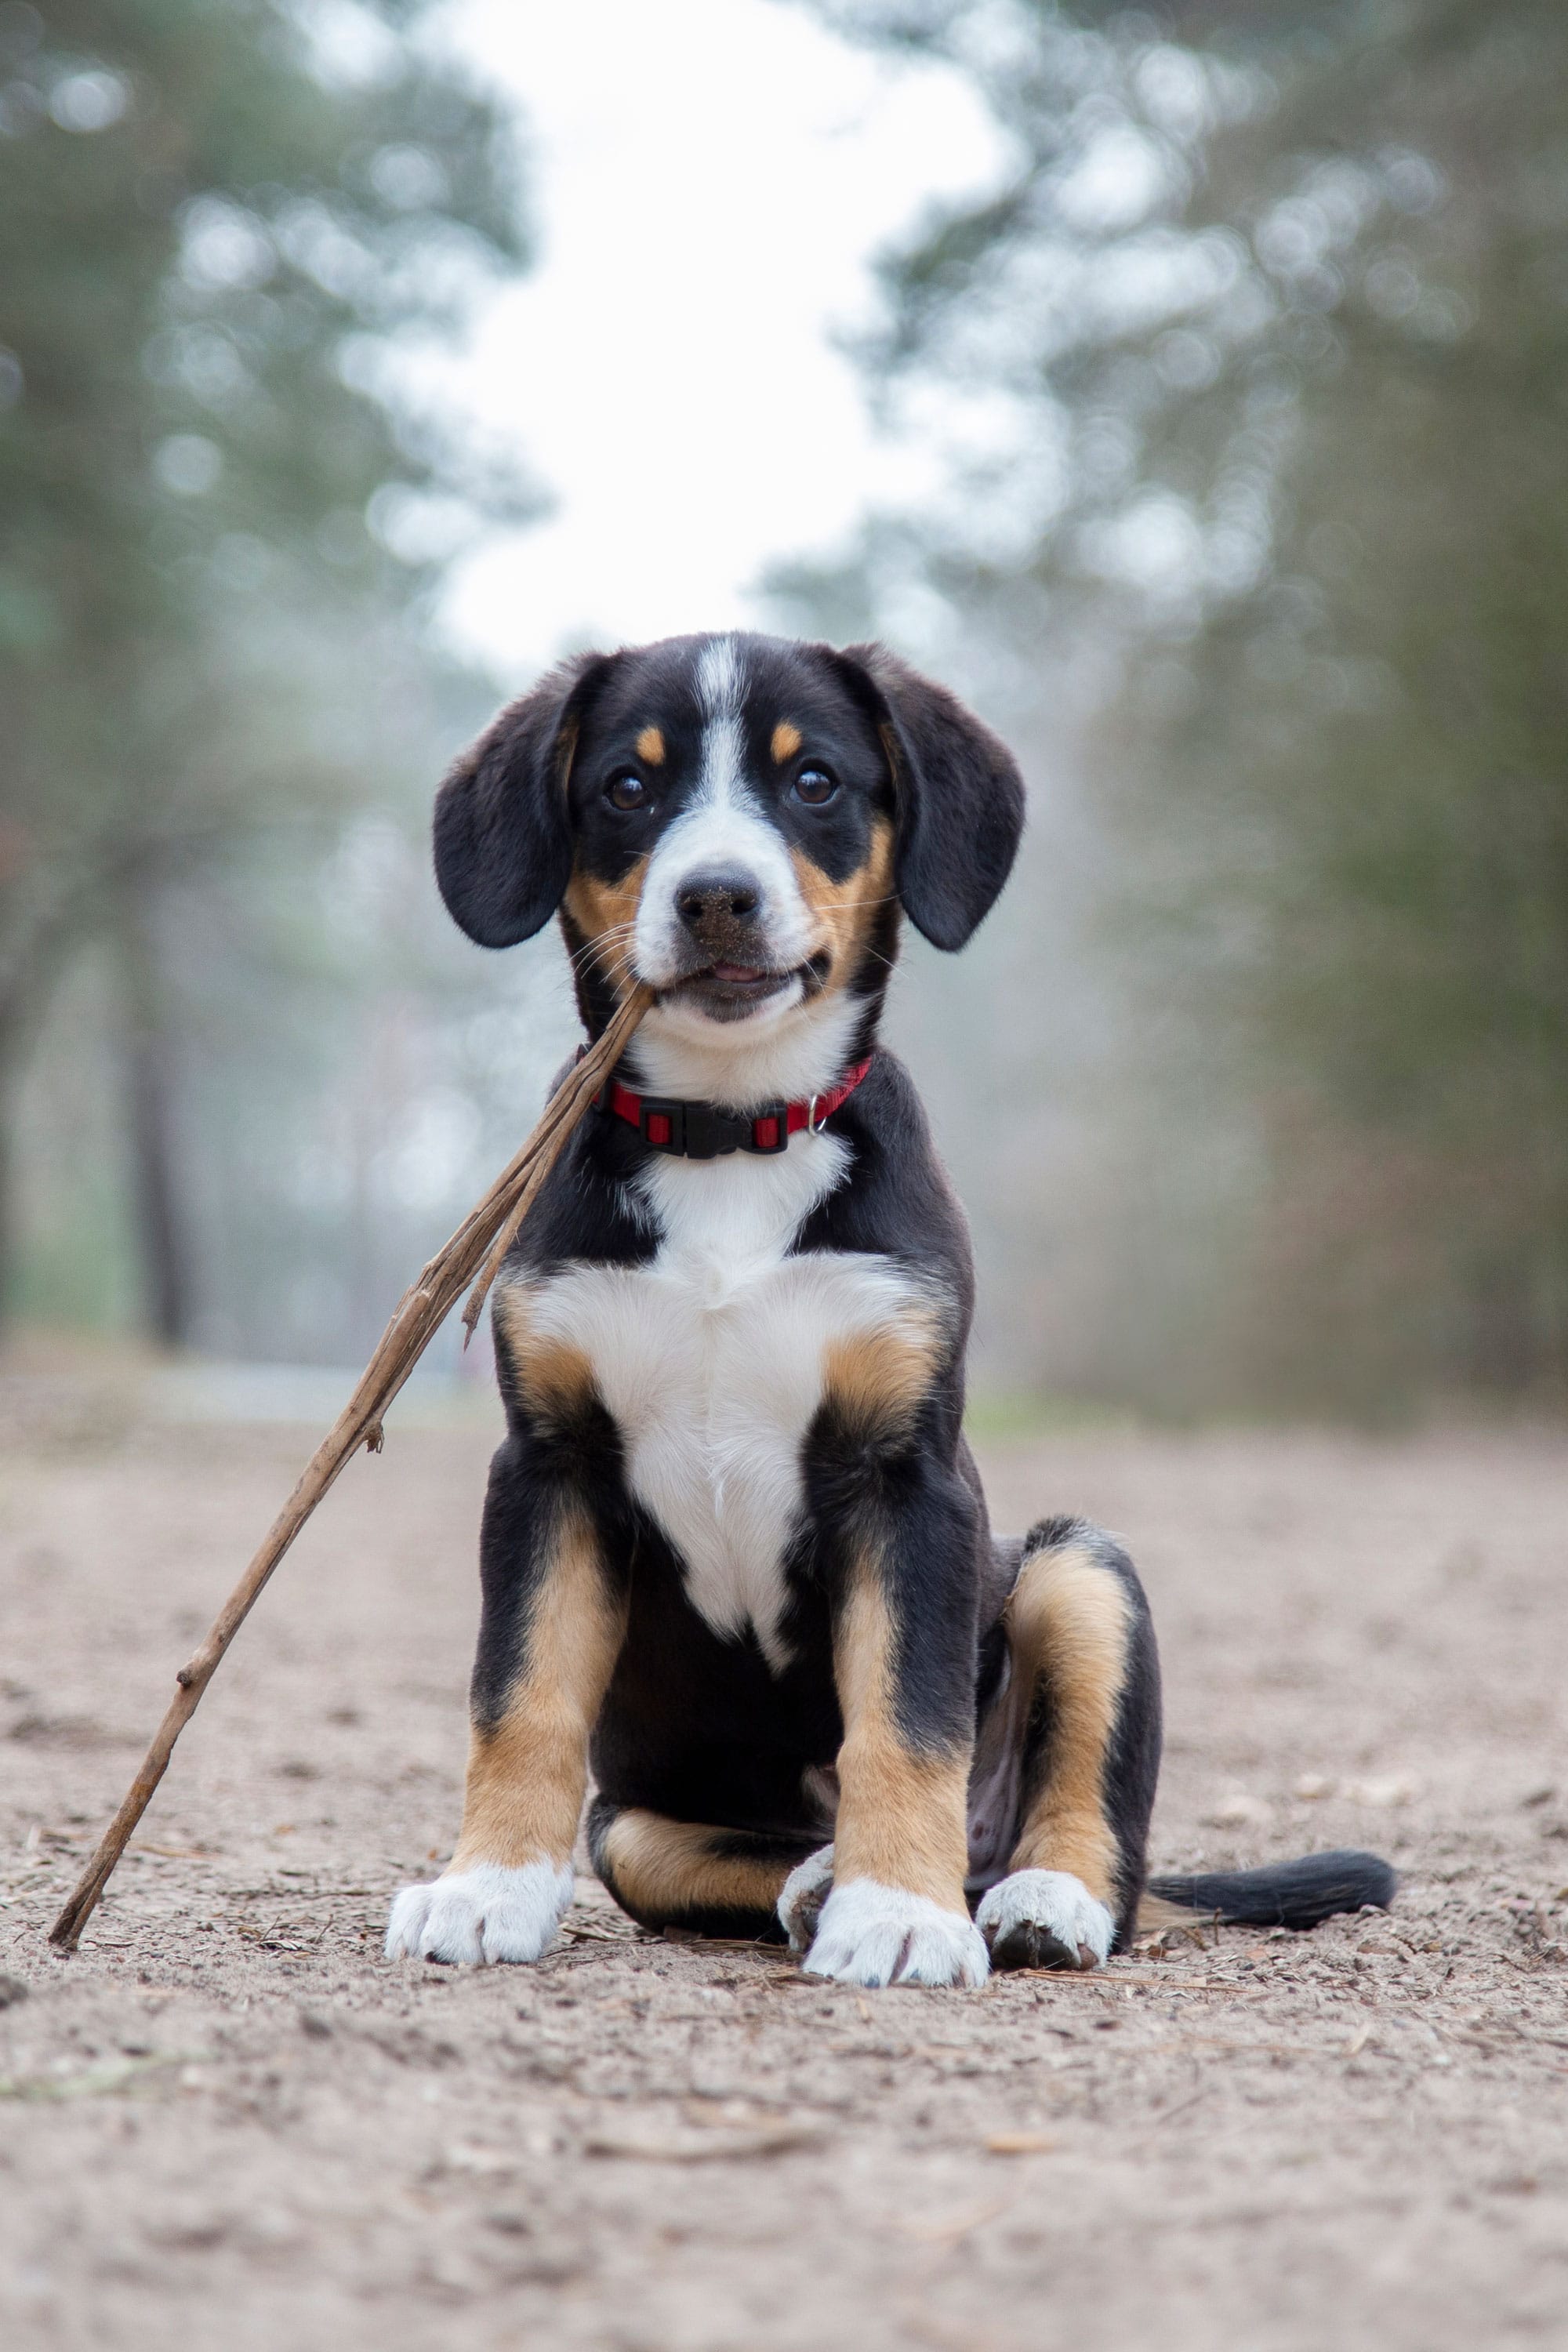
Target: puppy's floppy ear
959, 796
503, 846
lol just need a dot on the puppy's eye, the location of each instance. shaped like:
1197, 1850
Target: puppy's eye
627, 791
813, 786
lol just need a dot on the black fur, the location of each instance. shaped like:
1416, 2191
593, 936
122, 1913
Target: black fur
1285, 1894
696, 1726
503, 845
960, 800
914, 1499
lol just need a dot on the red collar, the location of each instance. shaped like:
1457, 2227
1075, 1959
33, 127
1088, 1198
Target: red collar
701, 1130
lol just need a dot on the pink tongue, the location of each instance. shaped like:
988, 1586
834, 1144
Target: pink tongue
736, 971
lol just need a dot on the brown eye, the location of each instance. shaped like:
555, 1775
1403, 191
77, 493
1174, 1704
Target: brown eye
813, 786
627, 791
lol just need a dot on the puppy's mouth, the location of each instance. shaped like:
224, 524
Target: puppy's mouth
728, 991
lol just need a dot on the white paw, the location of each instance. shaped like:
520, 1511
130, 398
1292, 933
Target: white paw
803, 1895
479, 1915
1045, 1919
873, 1934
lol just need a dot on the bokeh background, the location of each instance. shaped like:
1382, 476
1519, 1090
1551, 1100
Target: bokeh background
1186, 385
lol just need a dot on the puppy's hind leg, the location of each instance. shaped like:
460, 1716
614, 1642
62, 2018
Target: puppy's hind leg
1086, 1688
691, 1874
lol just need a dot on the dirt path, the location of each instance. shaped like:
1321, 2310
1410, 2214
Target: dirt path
229, 2120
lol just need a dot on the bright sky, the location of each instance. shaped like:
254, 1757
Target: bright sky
711, 180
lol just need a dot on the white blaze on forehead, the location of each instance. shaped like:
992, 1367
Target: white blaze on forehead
722, 827
721, 689
721, 679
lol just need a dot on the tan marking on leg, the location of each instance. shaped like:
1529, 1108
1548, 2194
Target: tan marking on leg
603, 915
662, 1868
650, 746
843, 911
878, 1380
785, 742
554, 1379
529, 1773
1067, 1626
901, 1812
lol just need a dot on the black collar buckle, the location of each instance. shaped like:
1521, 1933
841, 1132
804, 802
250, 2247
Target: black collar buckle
691, 1130
700, 1130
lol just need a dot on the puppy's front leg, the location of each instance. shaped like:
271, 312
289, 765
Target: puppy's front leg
552, 1628
904, 1664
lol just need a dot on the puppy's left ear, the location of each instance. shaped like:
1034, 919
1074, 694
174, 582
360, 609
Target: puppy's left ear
503, 847
958, 793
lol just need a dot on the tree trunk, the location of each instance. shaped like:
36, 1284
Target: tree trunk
162, 1233
10, 1088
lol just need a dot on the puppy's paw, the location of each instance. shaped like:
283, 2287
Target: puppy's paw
1045, 1919
874, 1935
802, 1896
480, 1915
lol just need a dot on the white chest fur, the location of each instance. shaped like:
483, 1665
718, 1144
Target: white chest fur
710, 1359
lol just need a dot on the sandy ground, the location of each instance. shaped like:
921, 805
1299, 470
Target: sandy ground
228, 2121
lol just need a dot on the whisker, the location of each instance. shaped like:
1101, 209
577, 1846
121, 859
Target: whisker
615, 936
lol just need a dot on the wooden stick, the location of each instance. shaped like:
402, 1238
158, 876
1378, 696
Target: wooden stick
470, 1259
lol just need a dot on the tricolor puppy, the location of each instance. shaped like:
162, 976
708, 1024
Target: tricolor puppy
735, 1557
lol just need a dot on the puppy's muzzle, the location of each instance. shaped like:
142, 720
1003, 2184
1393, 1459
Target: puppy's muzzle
729, 962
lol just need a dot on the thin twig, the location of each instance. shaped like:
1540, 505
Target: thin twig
468, 1261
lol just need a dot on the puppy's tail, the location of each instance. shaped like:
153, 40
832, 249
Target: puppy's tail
1280, 1894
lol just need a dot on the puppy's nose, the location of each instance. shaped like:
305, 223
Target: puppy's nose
723, 895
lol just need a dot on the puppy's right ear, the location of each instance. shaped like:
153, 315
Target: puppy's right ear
503, 846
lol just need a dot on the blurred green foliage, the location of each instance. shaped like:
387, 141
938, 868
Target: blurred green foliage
1260, 497
227, 229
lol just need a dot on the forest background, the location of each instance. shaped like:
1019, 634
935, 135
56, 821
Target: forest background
1243, 508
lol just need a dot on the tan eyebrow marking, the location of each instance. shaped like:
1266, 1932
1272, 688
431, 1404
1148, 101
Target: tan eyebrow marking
650, 747
786, 740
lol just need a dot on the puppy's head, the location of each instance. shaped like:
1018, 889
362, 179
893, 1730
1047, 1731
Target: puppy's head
736, 819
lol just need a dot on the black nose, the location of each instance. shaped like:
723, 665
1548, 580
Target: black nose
726, 895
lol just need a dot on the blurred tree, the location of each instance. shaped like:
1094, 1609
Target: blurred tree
1257, 372
223, 225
